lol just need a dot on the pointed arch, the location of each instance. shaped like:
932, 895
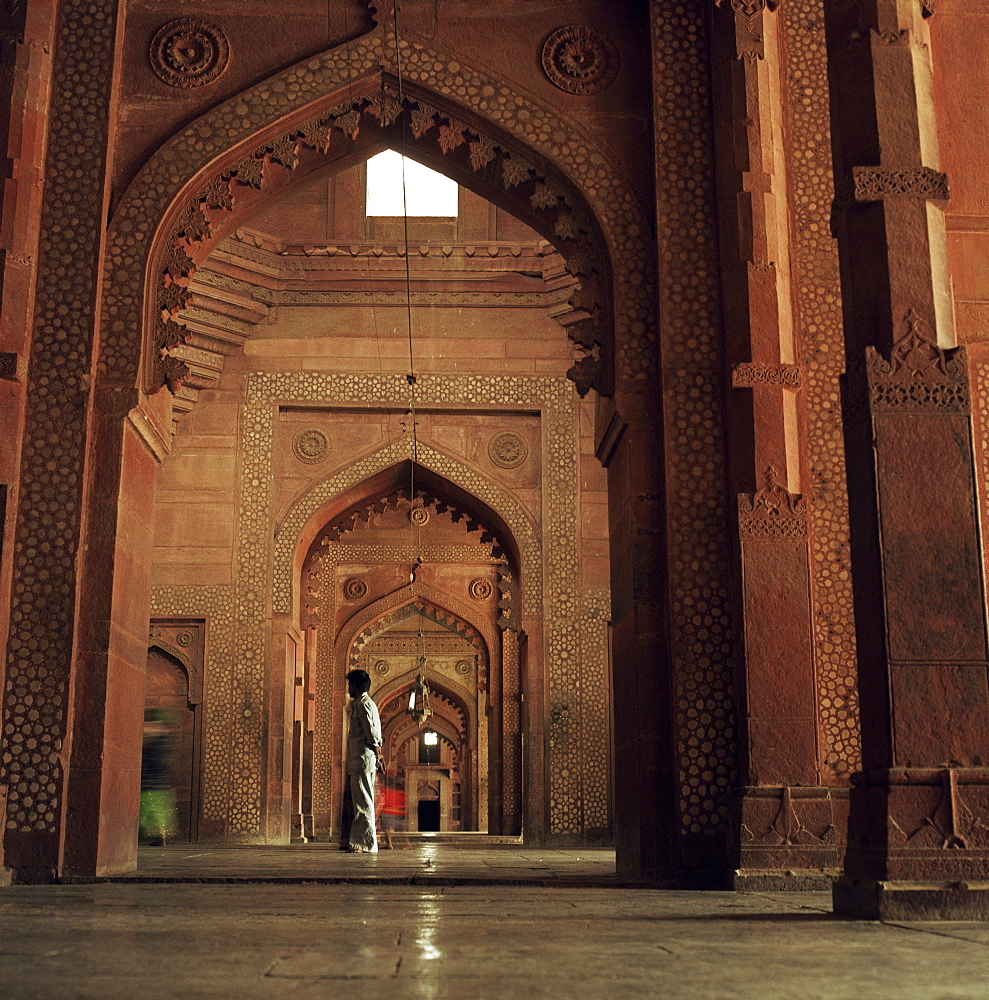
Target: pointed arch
389, 604
508, 144
306, 515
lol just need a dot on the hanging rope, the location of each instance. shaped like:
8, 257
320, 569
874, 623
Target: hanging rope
411, 378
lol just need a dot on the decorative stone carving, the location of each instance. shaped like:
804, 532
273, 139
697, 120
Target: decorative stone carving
749, 374
749, 8
919, 375
508, 450
463, 667
185, 638
419, 516
189, 52
355, 589
772, 512
310, 446
480, 589
580, 60
876, 184
381, 667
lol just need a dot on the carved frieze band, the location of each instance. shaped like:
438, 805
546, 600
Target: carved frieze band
877, 183
919, 375
751, 373
772, 512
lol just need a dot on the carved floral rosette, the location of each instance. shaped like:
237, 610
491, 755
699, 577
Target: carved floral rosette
310, 446
189, 52
580, 59
508, 450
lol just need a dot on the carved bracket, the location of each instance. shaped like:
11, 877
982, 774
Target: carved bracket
877, 184
919, 375
750, 373
772, 512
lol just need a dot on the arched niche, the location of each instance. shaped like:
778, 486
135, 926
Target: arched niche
321, 503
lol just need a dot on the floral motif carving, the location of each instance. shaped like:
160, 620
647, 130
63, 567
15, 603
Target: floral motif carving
580, 60
876, 184
508, 450
750, 374
189, 52
749, 8
185, 638
419, 516
919, 375
381, 667
480, 589
310, 446
355, 589
772, 511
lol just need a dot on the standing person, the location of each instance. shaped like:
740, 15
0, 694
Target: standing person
363, 761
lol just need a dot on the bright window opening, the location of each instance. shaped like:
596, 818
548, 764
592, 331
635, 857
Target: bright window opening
426, 191
430, 739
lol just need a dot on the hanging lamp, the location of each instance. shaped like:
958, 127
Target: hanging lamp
419, 709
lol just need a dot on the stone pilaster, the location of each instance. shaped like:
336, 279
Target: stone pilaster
916, 847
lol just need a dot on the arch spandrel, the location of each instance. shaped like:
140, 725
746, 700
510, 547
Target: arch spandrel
172, 174
307, 506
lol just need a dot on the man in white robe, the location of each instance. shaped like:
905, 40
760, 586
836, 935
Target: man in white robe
363, 761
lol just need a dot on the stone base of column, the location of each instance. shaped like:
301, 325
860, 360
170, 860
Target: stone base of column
788, 880
790, 837
874, 899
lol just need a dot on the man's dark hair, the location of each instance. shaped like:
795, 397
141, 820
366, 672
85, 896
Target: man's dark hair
361, 680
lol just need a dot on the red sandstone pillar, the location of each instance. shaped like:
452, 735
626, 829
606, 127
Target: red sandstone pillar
71, 727
784, 816
918, 842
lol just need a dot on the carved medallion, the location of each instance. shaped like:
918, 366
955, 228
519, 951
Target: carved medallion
480, 589
580, 59
189, 52
185, 637
419, 516
508, 450
463, 667
310, 446
381, 667
355, 589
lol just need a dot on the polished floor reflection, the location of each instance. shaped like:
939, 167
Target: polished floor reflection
248, 940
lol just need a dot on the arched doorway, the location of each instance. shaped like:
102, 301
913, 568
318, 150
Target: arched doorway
173, 691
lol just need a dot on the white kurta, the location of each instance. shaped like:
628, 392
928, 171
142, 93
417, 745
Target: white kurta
364, 735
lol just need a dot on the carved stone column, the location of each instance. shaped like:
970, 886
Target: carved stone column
784, 817
918, 838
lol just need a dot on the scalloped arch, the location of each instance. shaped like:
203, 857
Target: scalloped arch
308, 505
171, 178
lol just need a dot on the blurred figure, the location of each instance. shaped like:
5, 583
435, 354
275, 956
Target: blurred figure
159, 821
391, 809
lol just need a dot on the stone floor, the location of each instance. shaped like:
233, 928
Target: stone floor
504, 939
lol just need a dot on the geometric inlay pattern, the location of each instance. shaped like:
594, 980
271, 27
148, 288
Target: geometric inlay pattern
817, 295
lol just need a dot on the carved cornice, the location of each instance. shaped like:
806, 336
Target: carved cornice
772, 512
878, 184
750, 373
919, 375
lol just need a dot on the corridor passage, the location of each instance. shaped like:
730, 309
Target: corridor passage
512, 923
